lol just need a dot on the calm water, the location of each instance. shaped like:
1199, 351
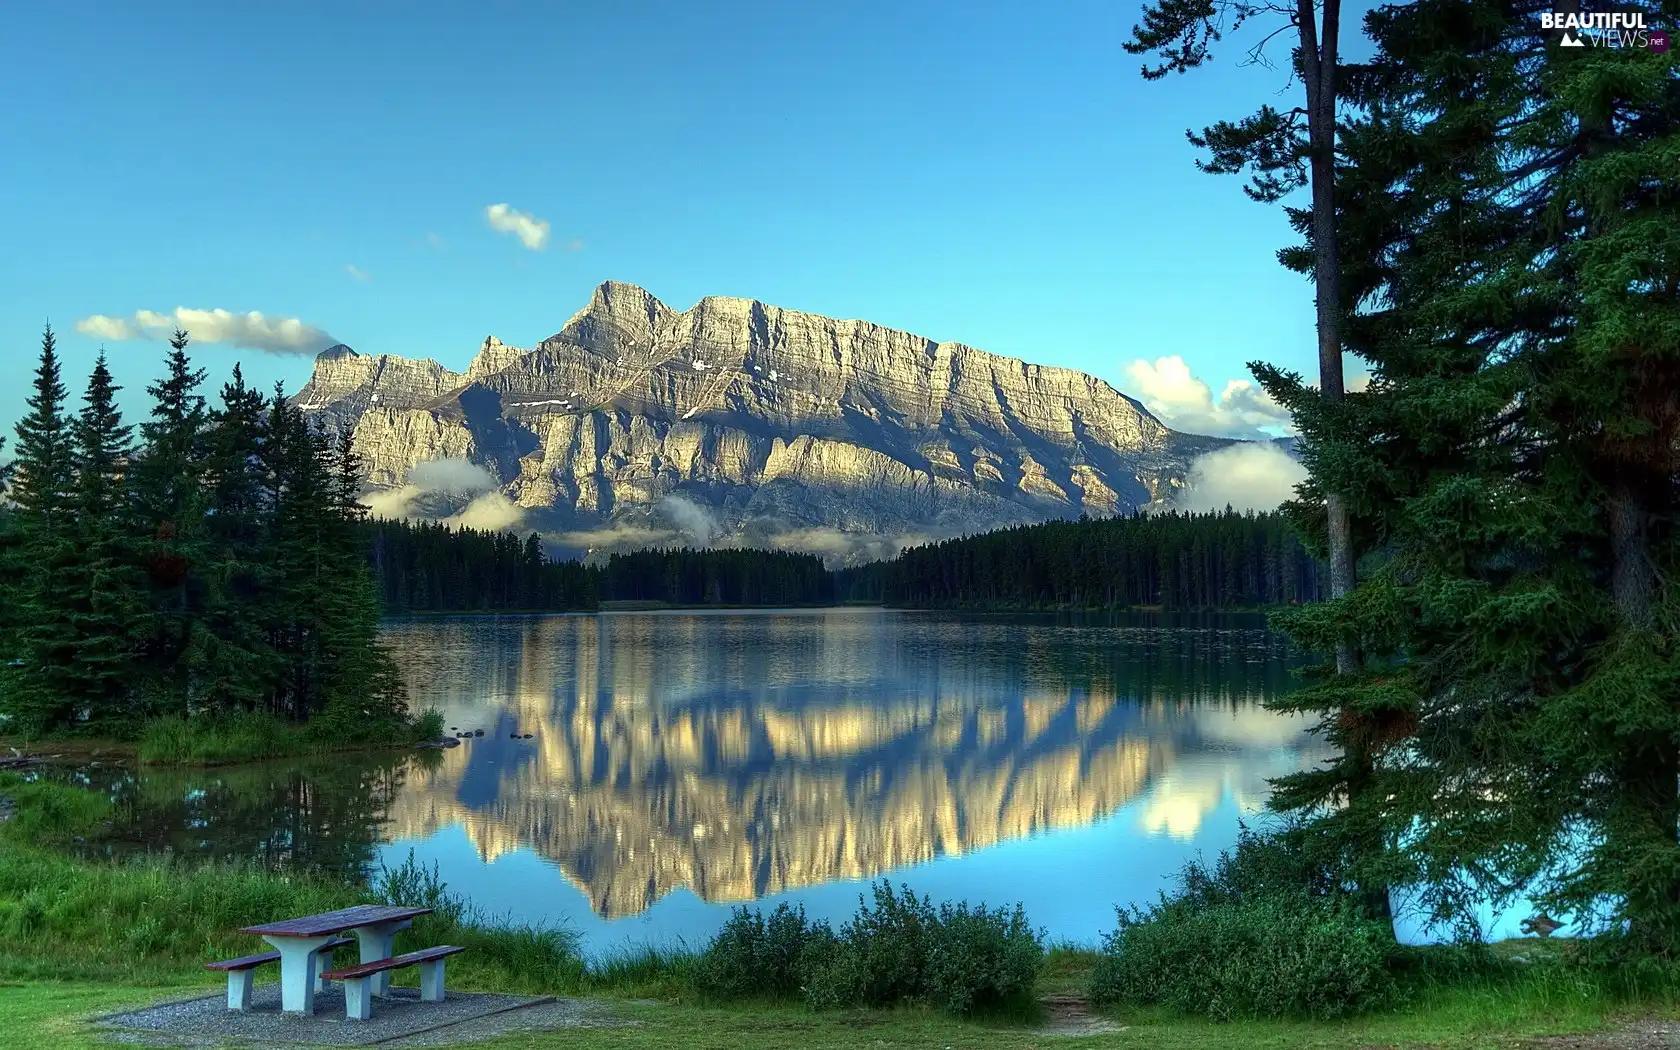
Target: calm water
681, 763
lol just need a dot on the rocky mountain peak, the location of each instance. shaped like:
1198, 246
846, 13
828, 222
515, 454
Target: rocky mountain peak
740, 422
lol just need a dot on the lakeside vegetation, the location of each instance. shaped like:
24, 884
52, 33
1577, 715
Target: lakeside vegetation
210, 574
79, 935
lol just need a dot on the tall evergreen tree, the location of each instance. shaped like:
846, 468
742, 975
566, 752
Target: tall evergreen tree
102, 581
361, 687
1516, 466
42, 493
234, 656
171, 505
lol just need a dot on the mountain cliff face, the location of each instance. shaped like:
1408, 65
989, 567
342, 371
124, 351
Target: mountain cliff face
735, 421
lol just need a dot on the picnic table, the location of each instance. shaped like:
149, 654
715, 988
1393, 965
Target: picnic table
375, 927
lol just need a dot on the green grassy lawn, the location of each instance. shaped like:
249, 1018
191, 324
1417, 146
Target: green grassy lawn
39, 1014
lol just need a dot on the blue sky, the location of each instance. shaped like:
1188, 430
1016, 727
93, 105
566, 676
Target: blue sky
997, 174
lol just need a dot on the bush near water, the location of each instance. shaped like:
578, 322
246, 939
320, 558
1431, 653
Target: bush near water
901, 950
1255, 935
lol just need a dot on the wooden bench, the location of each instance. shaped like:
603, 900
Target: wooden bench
358, 998
239, 971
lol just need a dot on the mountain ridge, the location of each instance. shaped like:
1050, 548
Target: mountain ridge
739, 421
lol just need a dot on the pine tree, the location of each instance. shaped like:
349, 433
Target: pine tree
234, 657
171, 504
361, 690
99, 584
298, 502
1514, 468
11, 586
41, 491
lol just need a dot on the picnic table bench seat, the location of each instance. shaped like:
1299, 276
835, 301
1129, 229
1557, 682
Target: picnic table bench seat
358, 1000
239, 971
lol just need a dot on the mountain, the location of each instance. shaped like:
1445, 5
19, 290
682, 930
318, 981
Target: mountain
735, 421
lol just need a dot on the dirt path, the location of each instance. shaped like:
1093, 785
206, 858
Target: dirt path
1069, 1014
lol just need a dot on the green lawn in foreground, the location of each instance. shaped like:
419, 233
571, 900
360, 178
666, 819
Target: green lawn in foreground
40, 1014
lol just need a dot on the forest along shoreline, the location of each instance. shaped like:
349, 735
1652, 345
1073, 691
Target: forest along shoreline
207, 587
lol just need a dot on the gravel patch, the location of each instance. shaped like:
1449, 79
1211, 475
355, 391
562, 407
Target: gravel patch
1633, 1035
399, 1021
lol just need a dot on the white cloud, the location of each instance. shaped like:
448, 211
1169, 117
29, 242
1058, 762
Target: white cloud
454, 476
357, 272
253, 330
1186, 403
103, 327
621, 536
458, 478
1255, 476
491, 512
690, 518
1242, 410
531, 231
392, 504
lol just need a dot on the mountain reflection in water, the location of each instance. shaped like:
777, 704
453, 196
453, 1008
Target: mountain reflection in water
683, 761
740, 755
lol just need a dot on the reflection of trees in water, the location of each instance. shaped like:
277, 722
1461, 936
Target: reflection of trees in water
323, 814
739, 756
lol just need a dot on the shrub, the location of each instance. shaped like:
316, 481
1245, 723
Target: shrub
429, 726
1261, 934
1267, 958
884, 951
982, 957
900, 950
755, 957
413, 885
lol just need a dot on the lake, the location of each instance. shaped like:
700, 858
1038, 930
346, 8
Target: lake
681, 763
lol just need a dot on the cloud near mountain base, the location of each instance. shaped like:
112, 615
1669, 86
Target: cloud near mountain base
1256, 476
449, 480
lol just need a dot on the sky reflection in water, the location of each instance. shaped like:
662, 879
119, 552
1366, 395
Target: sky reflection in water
685, 762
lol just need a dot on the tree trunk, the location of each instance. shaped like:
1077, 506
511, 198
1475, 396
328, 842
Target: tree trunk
1632, 574
1319, 68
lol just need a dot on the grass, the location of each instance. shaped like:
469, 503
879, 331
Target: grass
79, 938
223, 740
48, 1014
254, 736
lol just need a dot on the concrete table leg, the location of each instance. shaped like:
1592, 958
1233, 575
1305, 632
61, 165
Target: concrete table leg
358, 1004
239, 990
375, 943
431, 981
298, 960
